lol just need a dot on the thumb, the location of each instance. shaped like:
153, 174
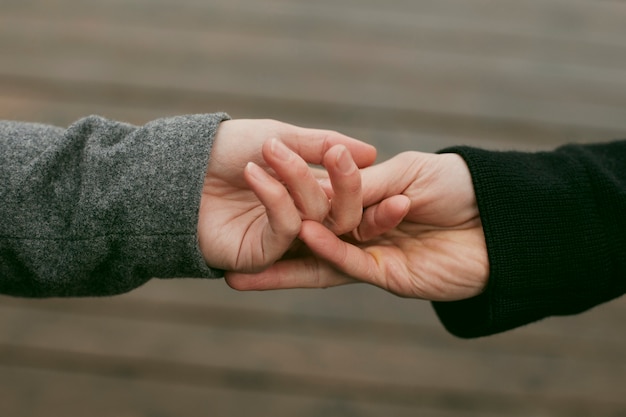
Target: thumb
388, 178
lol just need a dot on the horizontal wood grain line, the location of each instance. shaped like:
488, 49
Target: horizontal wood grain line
531, 18
283, 69
388, 140
313, 111
423, 33
235, 318
28, 392
377, 361
322, 327
200, 55
292, 384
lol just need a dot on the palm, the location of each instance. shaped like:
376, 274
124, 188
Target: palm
438, 251
421, 236
431, 263
247, 219
237, 227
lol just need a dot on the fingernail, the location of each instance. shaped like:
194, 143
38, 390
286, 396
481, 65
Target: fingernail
280, 150
344, 162
255, 171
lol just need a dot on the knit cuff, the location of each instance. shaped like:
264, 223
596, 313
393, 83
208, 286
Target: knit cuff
545, 239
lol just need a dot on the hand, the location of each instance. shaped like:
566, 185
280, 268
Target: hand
247, 218
427, 242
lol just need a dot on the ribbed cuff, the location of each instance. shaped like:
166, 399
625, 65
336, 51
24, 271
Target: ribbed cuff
545, 239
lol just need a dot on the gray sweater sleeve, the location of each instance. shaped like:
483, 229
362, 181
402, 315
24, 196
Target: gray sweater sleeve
101, 207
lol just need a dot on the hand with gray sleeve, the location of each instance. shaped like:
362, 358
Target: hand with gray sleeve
101, 207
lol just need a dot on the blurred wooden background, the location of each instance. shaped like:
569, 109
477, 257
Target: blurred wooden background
400, 74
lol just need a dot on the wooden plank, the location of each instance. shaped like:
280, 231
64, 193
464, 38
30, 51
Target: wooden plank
41, 393
214, 304
391, 131
393, 27
431, 92
442, 83
369, 315
552, 17
48, 36
308, 357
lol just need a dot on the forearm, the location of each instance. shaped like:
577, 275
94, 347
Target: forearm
556, 235
101, 207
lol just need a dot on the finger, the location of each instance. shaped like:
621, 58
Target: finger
347, 201
303, 187
383, 217
389, 178
282, 215
292, 273
321, 175
346, 258
312, 145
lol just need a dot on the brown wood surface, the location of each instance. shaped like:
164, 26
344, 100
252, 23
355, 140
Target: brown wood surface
399, 74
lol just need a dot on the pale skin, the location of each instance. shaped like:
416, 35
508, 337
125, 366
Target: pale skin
420, 236
247, 218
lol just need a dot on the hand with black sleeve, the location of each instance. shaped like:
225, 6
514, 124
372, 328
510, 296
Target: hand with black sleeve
495, 239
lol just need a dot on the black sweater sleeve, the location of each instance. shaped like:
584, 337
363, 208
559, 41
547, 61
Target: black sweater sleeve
555, 227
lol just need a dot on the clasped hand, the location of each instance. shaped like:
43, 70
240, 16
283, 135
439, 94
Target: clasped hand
409, 225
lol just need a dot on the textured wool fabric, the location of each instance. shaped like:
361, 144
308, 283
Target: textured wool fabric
101, 207
555, 227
